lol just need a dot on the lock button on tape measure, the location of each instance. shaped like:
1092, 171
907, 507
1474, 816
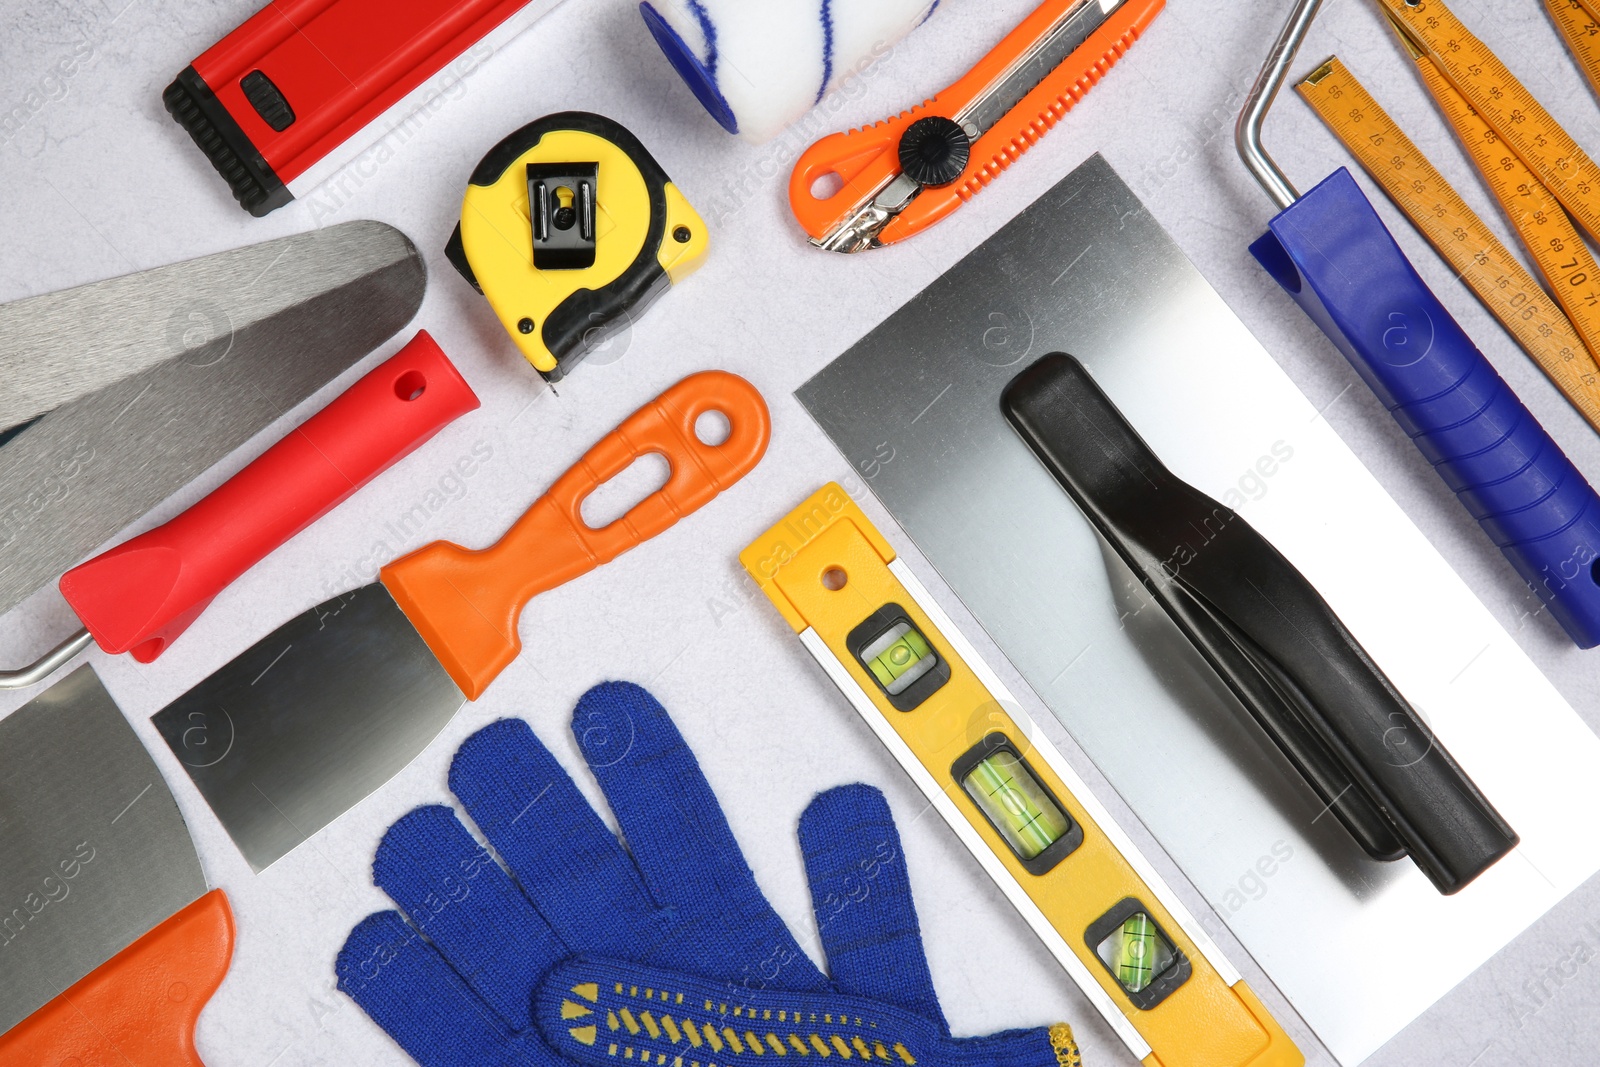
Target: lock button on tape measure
571, 229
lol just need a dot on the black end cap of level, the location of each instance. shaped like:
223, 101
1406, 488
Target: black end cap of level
190, 101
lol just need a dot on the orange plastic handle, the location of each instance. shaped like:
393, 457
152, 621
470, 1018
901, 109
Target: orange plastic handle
868, 158
139, 1008
465, 602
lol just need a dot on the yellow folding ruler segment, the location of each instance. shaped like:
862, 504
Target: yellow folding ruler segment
1581, 27
1534, 212
1028, 819
1466, 242
1495, 93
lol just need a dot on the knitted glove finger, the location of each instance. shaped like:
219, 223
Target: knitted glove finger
862, 899
567, 861
601, 1013
407, 988
457, 896
680, 839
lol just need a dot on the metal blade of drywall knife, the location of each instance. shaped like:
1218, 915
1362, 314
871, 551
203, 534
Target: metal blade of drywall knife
311, 719
95, 851
58, 347
83, 472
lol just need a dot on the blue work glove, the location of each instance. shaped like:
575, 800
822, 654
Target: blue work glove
665, 951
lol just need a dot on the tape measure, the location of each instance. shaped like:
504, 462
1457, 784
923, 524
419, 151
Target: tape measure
1580, 26
1032, 824
571, 229
1471, 248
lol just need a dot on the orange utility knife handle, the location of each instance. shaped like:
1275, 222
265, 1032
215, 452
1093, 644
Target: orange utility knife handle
139, 1008
465, 602
867, 158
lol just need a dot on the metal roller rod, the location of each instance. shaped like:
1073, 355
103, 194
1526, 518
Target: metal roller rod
47, 664
1247, 134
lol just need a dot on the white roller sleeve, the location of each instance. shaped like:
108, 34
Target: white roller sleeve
757, 65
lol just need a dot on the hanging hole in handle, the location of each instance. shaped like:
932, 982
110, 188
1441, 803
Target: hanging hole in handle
712, 428
834, 579
1594, 571
410, 385
621, 493
826, 186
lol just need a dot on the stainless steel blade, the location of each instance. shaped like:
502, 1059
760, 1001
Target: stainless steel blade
93, 850
58, 347
233, 357
1031, 67
302, 726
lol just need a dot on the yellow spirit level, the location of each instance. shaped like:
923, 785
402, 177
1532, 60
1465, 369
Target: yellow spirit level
1026, 817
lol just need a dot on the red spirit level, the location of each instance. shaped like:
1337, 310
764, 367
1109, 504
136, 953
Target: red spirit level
276, 104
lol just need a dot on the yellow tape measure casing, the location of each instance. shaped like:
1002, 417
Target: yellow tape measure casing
1071, 872
646, 238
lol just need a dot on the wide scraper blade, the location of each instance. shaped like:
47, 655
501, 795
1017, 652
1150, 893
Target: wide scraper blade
303, 725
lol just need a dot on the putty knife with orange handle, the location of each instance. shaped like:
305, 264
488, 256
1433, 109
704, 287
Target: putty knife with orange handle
303, 725
110, 941
140, 595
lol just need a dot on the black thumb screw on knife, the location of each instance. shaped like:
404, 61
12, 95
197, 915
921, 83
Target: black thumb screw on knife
1267, 632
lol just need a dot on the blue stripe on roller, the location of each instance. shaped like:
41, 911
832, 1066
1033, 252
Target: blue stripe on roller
699, 75
928, 14
827, 49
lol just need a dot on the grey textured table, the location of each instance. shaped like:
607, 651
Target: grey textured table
95, 180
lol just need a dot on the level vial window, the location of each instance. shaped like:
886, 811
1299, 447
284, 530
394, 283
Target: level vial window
1021, 808
1016, 804
901, 660
1136, 953
899, 657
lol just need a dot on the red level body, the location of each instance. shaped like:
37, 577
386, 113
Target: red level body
300, 78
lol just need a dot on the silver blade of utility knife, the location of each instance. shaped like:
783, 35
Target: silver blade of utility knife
303, 725
229, 343
95, 851
1064, 38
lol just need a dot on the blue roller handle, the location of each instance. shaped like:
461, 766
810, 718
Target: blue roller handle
1332, 253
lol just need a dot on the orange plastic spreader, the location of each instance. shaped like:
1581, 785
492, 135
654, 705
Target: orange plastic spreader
465, 602
139, 1008
867, 159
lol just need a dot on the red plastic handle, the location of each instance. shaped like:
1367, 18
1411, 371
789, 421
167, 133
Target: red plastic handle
465, 602
139, 1008
145, 592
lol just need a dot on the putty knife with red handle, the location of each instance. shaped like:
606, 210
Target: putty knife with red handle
142, 594
300, 727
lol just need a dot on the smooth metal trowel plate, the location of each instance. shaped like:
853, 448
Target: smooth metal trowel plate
914, 407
